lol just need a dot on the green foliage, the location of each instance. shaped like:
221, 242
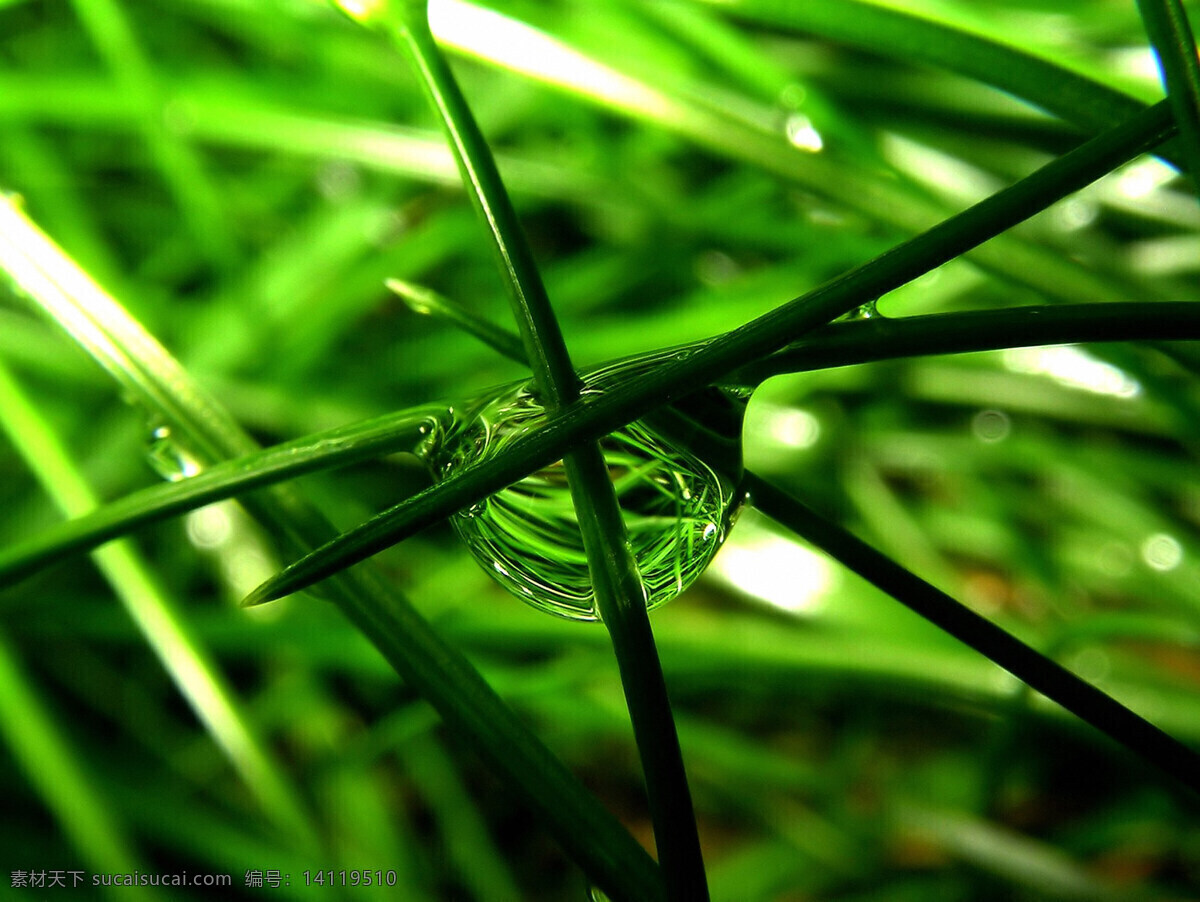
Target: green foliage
248, 179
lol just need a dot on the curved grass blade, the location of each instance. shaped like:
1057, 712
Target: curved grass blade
883, 338
323, 450
836, 345
703, 365
506, 42
618, 588
48, 762
441, 674
427, 301
908, 37
1039, 672
165, 630
1169, 31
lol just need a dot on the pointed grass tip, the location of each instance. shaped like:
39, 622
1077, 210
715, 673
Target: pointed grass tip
416, 298
266, 592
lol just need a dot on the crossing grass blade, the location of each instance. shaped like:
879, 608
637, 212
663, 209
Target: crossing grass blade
160, 385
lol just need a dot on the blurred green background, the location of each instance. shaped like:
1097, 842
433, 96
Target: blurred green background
244, 176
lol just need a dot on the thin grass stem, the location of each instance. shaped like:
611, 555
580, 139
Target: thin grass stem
703, 365
620, 595
155, 381
1167, 26
1034, 669
43, 753
165, 629
427, 301
836, 345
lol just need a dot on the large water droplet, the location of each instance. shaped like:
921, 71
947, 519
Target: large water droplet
169, 458
677, 508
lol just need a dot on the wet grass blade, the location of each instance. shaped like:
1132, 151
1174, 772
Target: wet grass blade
166, 631
156, 382
618, 589
910, 37
228, 479
841, 344
706, 364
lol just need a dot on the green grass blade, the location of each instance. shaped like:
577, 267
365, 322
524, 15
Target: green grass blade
1169, 31
50, 764
618, 588
337, 447
883, 338
840, 344
165, 630
1039, 672
181, 168
554, 375
707, 364
516, 46
427, 301
911, 37
441, 674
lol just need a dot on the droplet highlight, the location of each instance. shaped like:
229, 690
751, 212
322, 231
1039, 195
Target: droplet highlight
168, 457
869, 310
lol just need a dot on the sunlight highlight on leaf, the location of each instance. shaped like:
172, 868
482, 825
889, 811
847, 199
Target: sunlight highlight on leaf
515, 45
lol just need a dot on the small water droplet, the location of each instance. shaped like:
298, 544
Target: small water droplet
677, 508
802, 134
869, 310
1162, 552
431, 434
169, 458
991, 426
793, 96
739, 392
714, 267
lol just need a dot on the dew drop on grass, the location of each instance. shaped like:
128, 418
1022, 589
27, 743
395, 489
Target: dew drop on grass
168, 457
677, 509
869, 310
